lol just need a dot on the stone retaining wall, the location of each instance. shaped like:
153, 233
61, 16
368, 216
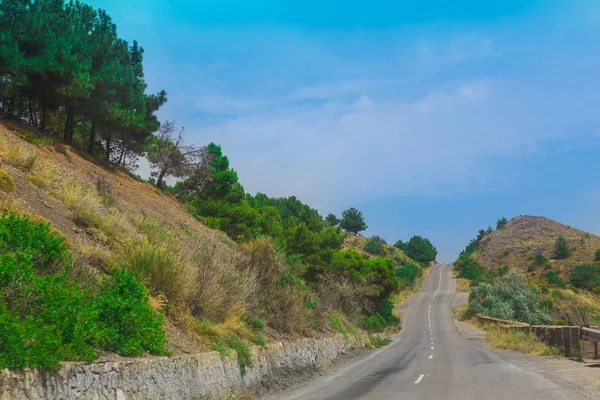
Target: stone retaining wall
180, 377
566, 337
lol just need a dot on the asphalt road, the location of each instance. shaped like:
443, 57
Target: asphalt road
429, 359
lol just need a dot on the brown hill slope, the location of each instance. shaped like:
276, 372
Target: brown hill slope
517, 243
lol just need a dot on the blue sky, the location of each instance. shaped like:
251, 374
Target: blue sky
432, 117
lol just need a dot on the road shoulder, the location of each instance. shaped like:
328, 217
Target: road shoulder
582, 377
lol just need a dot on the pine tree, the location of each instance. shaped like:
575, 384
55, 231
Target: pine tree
562, 249
353, 221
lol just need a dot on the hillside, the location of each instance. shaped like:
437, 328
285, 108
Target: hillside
284, 276
517, 243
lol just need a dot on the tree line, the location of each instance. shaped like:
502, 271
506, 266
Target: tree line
64, 69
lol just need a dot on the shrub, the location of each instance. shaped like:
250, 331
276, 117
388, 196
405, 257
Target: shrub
503, 270
20, 234
501, 222
43, 173
597, 255
160, 267
540, 259
7, 183
46, 318
468, 268
83, 205
374, 323
242, 349
127, 324
508, 297
375, 245
421, 249
20, 156
585, 276
408, 274
562, 249
554, 279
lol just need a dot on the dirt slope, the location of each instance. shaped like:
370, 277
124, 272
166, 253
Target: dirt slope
517, 243
128, 197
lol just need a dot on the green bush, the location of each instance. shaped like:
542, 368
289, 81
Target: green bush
127, 324
23, 235
508, 297
597, 255
562, 249
375, 245
503, 270
421, 249
242, 349
501, 222
554, 279
45, 318
255, 322
374, 323
540, 259
470, 269
585, 276
408, 274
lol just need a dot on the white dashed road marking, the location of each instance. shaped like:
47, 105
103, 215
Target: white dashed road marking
419, 379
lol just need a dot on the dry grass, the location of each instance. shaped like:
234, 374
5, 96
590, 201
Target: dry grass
84, 205
519, 341
161, 268
463, 285
96, 255
43, 173
11, 204
20, 156
7, 183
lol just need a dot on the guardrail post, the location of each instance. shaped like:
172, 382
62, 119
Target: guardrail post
595, 350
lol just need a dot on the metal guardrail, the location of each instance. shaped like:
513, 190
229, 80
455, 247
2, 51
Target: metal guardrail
592, 335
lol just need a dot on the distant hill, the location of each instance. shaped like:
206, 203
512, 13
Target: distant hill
517, 243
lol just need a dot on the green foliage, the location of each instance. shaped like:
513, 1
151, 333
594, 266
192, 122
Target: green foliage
332, 220
501, 222
46, 318
255, 322
469, 268
540, 259
127, 324
337, 321
375, 245
374, 323
554, 279
421, 249
503, 270
509, 297
585, 276
597, 255
64, 68
408, 274
353, 221
400, 245
562, 249
20, 234
242, 349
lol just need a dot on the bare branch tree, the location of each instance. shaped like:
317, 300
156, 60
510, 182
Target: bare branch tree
171, 156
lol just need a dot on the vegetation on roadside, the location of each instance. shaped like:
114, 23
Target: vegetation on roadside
46, 317
516, 340
283, 267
